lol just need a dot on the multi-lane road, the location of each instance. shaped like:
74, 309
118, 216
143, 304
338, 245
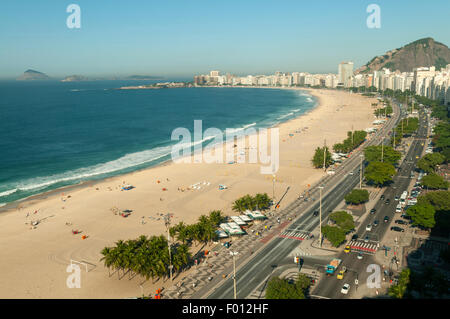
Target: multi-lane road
330, 287
259, 268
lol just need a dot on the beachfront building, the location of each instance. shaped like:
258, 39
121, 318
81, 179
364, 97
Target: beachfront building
424, 81
345, 72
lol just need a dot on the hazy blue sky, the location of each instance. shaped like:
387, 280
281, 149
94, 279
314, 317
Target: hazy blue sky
181, 37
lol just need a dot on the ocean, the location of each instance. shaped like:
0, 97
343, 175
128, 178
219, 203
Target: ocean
55, 134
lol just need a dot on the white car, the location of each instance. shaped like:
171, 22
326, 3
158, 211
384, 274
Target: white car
345, 289
369, 227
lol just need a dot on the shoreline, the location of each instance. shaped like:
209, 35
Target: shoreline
7, 207
34, 259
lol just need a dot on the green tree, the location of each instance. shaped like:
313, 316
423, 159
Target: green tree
279, 288
398, 291
357, 196
434, 181
429, 162
216, 217
334, 234
422, 215
373, 154
440, 200
343, 220
317, 160
379, 173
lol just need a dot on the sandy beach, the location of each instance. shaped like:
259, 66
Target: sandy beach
33, 260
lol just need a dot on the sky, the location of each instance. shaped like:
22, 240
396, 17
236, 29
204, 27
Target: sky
180, 38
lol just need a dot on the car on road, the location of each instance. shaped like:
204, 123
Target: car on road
386, 219
340, 275
375, 223
400, 222
355, 237
398, 229
369, 227
316, 213
387, 201
373, 211
359, 256
347, 249
350, 173
382, 197
366, 239
345, 289
396, 198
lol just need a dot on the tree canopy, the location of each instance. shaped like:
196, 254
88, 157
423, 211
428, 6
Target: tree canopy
147, 257
259, 201
398, 291
434, 181
280, 288
317, 160
335, 234
357, 196
373, 154
343, 220
422, 215
429, 162
353, 140
378, 173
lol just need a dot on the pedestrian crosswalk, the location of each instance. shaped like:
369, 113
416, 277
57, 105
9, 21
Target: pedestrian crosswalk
293, 234
361, 245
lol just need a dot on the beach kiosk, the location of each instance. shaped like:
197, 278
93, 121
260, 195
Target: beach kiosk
238, 220
255, 215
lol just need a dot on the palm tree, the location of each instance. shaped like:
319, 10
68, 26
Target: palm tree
239, 205
216, 217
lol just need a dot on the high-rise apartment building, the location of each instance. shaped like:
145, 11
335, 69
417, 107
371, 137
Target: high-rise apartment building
345, 73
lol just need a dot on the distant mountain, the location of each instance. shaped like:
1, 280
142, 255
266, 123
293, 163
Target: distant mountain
424, 52
74, 78
30, 75
143, 77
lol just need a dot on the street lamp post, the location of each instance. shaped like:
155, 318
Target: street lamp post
234, 253
360, 171
320, 216
167, 223
273, 188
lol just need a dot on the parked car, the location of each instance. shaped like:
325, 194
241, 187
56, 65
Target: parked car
369, 227
373, 211
396, 198
398, 229
386, 219
375, 223
401, 222
405, 217
355, 237
382, 197
345, 289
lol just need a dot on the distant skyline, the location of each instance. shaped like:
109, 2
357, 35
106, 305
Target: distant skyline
181, 38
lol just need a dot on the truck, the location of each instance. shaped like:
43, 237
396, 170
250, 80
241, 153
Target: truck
333, 265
